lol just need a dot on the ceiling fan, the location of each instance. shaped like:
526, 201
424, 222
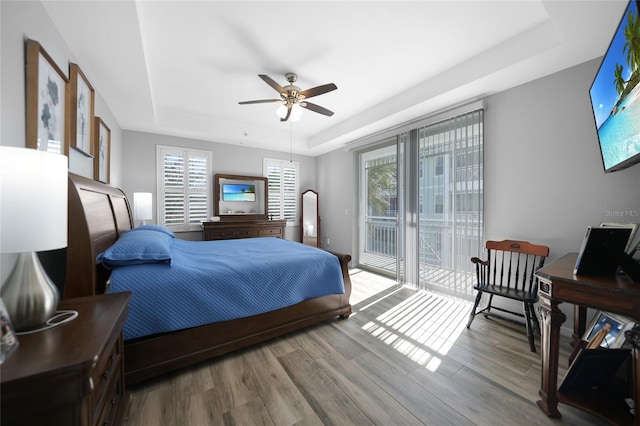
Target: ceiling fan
291, 97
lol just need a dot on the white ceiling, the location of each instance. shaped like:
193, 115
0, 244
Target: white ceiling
181, 67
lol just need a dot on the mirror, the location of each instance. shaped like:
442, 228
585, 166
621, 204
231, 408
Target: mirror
310, 220
240, 197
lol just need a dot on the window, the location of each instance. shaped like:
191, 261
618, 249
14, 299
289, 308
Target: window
283, 189
183, 187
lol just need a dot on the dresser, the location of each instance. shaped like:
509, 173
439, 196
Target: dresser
232, 229
71, 374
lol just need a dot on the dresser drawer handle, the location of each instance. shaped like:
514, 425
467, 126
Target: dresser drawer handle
109, 370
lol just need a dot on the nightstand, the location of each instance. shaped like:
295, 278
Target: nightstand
72, 374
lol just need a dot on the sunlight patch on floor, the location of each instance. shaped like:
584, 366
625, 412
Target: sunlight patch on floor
422, 327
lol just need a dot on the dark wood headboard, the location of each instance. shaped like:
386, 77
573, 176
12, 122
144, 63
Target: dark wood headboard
98, 214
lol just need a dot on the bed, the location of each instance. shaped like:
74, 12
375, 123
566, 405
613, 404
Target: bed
99, 214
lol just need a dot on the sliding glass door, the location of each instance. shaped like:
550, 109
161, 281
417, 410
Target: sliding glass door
378, 219
421, 204
450, 203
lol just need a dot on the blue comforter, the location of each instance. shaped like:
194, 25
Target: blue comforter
212, 281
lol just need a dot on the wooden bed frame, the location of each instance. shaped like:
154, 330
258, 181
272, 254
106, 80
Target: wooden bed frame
98, 214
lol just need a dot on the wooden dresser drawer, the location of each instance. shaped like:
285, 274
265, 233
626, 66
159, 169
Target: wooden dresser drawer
113, 402
220, 234
106, 372
231, 229
271, 232
248, 233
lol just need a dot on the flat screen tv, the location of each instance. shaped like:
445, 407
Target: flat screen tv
238, 192
615, 95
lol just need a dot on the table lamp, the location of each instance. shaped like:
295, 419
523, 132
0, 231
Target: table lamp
33, 217
142, 207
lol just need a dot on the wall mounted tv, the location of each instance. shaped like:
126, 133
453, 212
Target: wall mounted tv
238, 192
615, 95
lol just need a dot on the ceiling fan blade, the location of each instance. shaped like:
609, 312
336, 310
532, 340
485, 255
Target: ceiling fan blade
319, 90
316, 108
261, 101
288, 114
273, 84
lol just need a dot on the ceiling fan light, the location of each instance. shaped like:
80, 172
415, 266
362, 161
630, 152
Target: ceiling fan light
281, 111
296, 112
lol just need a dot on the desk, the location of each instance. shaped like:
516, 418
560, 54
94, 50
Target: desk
616, 294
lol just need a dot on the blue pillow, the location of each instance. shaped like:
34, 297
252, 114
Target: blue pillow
136, 248
152, 227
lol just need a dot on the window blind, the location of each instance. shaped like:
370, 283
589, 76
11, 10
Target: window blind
183, 187
282, 178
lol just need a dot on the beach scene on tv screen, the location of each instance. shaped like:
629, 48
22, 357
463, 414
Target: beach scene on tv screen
615, 93
238, 192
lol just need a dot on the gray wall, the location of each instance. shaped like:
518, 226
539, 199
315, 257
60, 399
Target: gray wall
139, 166
337, 195
544, 179
28, 20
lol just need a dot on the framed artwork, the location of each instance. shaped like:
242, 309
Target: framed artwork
47, 102
102, 144
8, 339
81, 117
606, 331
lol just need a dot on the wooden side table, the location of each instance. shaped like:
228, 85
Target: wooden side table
72, 374
617, 294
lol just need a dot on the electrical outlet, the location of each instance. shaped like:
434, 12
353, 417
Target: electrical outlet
328, 241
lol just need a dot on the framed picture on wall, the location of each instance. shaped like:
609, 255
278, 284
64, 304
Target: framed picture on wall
47, 102
102, 158
81, 117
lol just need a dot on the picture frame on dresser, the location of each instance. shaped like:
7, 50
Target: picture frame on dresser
82, 110
8, 339
102, 159
47, 102
614, 338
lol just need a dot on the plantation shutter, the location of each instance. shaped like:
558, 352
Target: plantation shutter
282, 178
184, 188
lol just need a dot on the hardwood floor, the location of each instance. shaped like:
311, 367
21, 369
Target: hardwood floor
404, 357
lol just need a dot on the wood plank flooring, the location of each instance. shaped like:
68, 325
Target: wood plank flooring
404, 357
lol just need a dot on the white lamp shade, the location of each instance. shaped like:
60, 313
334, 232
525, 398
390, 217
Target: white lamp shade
142, 206
281, 111
296, 112
33, 200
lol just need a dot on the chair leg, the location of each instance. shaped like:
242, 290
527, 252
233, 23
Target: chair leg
472, 315
487, 310
527, 313
536, 323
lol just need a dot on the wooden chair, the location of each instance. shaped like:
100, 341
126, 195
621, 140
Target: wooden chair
509, 272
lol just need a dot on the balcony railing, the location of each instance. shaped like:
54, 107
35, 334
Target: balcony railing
443, 253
